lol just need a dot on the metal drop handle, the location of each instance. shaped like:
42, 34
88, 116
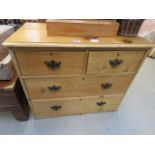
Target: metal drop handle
101, 103
115, 63
53, 64
54, 88
56, 107
106, 85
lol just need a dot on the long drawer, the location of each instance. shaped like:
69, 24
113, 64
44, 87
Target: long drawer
92, 85
114, 61
50, 62
58, 107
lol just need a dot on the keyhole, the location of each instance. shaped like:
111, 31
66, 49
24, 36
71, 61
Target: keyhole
118, 54
43, 91
51, 53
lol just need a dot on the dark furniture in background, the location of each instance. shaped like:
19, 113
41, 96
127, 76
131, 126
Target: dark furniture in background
20, 21
12, 98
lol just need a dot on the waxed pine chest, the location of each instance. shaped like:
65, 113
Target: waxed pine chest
73, 75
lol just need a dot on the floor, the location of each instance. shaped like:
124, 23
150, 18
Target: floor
136, 114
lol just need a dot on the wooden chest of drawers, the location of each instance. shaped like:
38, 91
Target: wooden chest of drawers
68, 75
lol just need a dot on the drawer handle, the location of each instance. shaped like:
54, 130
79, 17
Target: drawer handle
101, 103
106, 85
53, 64
54, 88
56, 107
115, 63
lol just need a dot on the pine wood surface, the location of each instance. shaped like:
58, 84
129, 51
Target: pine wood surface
35, 35
43, 108
82, 28
77, 86
100, 62
85, 66
71, 62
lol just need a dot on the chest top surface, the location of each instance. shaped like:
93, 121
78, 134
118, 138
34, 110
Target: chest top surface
35, 35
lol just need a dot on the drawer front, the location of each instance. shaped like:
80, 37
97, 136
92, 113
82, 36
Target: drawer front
50, 63
114, 61
92, 85
46, 108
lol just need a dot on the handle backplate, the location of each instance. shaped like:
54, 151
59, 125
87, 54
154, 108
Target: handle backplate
101, 103
53, 64
54, 88
106, 85
56, 107
115, 63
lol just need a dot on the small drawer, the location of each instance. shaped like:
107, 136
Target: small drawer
114, 61
50, 62
47, 108
91, 85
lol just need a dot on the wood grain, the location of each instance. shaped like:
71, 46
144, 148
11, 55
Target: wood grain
77, 86
35, 35
71, 62
82, 28
20, 78
43, 108
99, 62
85, 67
